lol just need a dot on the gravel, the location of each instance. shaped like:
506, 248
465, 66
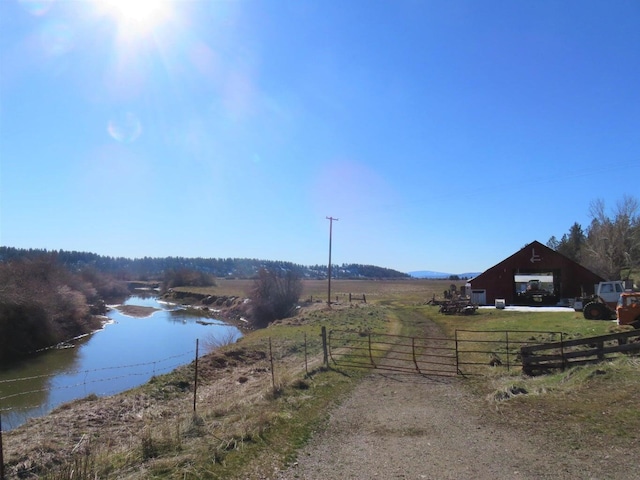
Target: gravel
413, 427
409, 426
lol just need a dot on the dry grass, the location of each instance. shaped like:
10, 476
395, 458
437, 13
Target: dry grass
584, 407
410, 290
250, 419
245, 406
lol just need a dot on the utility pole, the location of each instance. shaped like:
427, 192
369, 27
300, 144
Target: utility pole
331, 219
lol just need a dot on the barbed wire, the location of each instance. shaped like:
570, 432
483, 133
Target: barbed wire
76, 372
85, 383
157, 364
150, 372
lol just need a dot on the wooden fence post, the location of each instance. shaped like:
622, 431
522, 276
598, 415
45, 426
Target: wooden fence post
370, 352
325, 353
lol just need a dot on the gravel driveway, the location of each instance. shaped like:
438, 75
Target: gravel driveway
412, 427
408, 426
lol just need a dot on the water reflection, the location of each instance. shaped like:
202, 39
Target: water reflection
125, 354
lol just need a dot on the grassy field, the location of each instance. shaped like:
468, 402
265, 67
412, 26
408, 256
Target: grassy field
260, 399
589, 404
410, 290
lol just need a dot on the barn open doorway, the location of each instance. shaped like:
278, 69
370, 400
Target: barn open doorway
536, 287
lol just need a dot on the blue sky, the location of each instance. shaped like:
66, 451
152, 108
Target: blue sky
444, 135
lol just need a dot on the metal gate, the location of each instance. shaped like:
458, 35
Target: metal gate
421, 355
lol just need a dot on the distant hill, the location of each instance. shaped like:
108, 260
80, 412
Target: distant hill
432, 274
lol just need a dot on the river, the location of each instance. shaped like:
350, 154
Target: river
126, 353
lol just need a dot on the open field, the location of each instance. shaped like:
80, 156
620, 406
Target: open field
410, 290
261, 399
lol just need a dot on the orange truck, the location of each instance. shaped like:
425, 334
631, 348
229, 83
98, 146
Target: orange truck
628, 309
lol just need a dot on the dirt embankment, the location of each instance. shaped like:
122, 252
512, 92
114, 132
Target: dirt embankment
228, 308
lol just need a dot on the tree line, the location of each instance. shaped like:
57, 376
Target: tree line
149, 268
610, 244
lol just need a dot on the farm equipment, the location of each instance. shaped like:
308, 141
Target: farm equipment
455, 302
628, 309
536, 294
601, 305
458, 306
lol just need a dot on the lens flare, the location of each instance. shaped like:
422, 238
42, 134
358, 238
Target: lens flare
36, 7
125, 128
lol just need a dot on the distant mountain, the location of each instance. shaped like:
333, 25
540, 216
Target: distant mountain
469, 274
432, 274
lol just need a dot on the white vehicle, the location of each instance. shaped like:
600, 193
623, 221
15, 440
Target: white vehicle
601, 305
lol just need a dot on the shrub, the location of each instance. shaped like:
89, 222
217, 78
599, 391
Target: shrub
273, 296
184, 277
41, 303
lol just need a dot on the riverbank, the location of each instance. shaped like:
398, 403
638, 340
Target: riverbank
231, 309
242, 399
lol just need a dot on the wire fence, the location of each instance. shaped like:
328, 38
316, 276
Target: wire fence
156, 364
274, 364
271, 367
470, 349
35, 395
14, 390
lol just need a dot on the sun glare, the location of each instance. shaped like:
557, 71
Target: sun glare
139, 14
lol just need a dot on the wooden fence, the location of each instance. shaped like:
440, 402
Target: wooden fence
537, 359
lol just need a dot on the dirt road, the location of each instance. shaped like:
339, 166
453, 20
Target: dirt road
407, 426
412, 427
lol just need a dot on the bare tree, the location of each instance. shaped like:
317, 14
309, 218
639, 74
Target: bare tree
274, 296
612, 246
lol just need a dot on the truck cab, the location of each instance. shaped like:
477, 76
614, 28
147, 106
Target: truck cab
608, 292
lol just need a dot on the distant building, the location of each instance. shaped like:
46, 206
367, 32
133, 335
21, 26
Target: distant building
535, 275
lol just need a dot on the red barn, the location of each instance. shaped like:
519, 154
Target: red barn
535, 275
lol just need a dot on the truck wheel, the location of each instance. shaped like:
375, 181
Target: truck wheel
593, 311
636, 323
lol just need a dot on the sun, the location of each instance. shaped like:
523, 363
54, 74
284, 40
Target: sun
139, 15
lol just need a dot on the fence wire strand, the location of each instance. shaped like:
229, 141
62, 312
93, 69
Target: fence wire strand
156, 364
